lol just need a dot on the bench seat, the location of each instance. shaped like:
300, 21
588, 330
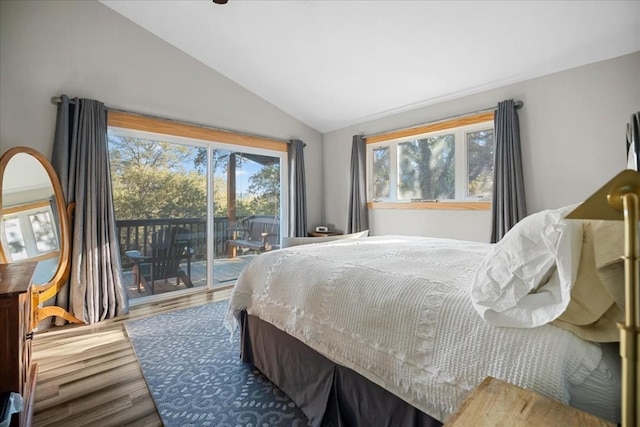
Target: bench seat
254, 245
254, 236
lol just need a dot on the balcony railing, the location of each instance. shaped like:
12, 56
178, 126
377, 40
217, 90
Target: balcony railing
136, 234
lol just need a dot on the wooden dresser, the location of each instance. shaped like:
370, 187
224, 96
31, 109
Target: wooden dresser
17, 373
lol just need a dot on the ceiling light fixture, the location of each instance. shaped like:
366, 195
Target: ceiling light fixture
220, 1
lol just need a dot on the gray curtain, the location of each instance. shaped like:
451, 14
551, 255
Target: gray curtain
633, 142
508, 205
80, 156
297, 190
358, 219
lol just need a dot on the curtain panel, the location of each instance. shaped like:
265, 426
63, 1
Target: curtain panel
633, 142
358, 215
297, 189
508, 205
95, 289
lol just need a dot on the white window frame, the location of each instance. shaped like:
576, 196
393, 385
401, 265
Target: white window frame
461, 162
22, 214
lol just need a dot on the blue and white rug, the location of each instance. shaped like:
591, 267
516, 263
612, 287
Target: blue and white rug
195, 375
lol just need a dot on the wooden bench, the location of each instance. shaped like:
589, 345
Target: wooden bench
258, 235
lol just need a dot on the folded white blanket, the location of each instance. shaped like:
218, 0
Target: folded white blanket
397, 310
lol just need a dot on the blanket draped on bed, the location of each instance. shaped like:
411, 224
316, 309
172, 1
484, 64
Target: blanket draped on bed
396, 309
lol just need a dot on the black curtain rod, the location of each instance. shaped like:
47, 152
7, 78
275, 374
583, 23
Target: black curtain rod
517, 104
57, 100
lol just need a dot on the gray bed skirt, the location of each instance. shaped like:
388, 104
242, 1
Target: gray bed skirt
330, 395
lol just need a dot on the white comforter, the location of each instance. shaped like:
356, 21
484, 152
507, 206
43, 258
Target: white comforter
397, 310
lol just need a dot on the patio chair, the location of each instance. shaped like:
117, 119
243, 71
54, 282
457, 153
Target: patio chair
169, 246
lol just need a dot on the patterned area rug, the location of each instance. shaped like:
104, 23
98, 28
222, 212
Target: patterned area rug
196, 377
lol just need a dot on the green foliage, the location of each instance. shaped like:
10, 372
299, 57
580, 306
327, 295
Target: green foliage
220, 160
382, 171
265, 186
219, 197
128, 151
427, 168
480, 148
154, 179
144, 193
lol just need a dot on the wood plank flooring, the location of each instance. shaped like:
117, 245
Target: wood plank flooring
89, 375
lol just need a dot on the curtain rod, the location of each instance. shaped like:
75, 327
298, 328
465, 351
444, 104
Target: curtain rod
517, 104
57, 100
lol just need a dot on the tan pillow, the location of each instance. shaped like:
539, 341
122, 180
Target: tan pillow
602, 330
594, 308
296, 241
609, 249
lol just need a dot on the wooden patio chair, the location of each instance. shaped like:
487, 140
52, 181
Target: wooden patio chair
169, 246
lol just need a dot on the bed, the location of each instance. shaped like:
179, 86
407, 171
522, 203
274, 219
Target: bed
398, 330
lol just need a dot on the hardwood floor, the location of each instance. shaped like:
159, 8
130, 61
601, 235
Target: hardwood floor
89, 375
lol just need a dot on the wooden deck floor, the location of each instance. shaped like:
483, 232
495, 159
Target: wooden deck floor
225, 272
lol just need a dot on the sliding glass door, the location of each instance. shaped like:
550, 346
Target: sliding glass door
247, 209
191, 213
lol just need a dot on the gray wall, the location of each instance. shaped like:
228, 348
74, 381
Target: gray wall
573, 141
84, 49
572, 123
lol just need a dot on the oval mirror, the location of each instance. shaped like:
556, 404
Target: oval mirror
34, 224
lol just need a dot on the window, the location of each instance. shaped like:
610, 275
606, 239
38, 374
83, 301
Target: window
452, 163
480, 163
381, 175
30, 232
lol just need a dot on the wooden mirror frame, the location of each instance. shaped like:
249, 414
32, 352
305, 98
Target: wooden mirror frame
48, 290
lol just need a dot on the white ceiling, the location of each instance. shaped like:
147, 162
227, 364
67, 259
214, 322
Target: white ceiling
331, 64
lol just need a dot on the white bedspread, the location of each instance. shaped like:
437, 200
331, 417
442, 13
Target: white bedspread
397, 310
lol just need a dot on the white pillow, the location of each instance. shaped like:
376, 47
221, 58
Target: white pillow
295, 241
525, 280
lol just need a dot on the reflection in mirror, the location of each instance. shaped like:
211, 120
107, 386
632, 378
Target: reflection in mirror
28, 205
34, 225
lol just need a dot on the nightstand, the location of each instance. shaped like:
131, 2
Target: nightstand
497, 403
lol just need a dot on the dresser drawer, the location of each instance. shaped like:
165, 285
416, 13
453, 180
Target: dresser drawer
17, 373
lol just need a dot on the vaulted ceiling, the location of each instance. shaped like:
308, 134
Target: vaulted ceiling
331, 64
